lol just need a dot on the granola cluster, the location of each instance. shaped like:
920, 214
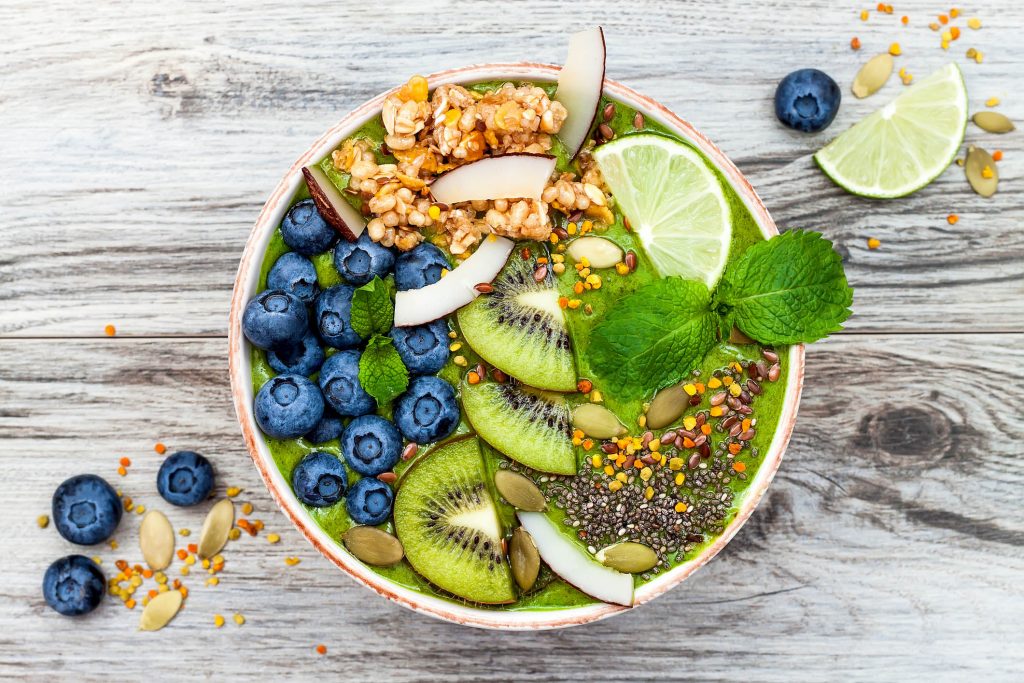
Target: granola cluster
428, 135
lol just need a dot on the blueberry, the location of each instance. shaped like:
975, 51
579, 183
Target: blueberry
74, 585
288, 406
275, 318
319, 479
185, 478
807, 100
305, 231
328, 428
427, 411
86, 509
339, 382
424, 348
304, 358
359, 261
371, 445
369, 501
334, 317
295, 274
419, 267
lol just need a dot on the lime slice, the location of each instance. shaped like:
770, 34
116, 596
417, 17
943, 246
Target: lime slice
904, 145
673, 201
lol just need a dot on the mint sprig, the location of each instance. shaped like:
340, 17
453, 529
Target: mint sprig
663, 329
790, 289
381, 370
373, 312
787, 290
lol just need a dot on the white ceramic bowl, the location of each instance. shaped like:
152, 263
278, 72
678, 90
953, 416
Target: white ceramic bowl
241, 382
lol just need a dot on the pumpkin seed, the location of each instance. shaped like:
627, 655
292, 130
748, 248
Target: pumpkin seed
599, 252
160, 611
156, 540
216, 528
736, 336
992, 122
977, 161
373, 546
520, 491
597, 421
667, 406
873, 75
524, 558
628, 557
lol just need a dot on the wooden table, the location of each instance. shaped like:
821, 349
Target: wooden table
137, 143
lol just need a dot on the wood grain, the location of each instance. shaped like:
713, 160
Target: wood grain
137, 143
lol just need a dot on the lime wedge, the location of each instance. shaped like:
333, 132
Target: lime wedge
904, 145
674, 203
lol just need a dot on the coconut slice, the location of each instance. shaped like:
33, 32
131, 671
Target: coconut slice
574, 565
334, 208
580, 84
510, 176
456, 289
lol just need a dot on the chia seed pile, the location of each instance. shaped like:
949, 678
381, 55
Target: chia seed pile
668, 491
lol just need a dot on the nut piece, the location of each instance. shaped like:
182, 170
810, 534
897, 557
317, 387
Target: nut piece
873, 75
216, 528
156, 540
597, 421
519, 491
599, 252
373, 546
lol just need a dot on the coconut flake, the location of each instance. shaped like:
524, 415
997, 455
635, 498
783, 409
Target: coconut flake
580, 84
510, 176
333, 207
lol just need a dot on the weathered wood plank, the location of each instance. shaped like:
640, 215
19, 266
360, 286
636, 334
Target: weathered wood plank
135, 157
887, 548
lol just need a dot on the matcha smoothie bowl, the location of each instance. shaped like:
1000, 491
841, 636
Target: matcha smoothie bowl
517, 347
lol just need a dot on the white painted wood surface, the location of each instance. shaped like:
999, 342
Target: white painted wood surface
137, 141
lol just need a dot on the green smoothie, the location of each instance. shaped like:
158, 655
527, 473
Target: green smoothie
551, 592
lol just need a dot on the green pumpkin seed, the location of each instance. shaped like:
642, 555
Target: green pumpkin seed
160, 610
873, 75
519, 491
977, 161
597, 421
628, 557
599, 252
992, 122
373, 546
524, 558
667, 406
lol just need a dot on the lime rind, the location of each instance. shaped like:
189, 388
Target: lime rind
674, 201
912, 139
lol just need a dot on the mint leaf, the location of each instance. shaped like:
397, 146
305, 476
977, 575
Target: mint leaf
372, 309
787, 290
654, 337
381, 371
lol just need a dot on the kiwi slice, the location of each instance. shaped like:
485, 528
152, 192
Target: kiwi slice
520, 329
526, 424
448, 524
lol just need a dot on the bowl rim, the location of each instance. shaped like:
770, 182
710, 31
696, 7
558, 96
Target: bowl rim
241, 372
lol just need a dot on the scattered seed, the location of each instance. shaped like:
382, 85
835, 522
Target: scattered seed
597, 421
638, 121
156, 540
774, 372
540, 273
667, 406
519, 491
981, 171
598, 252
373, 546
484, 287
160, 610
628, 557
410, 450
609, 111
873, 75
606, 131
524, 558
387, 477
992, 122
216, 528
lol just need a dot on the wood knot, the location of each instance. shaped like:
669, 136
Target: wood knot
918, 431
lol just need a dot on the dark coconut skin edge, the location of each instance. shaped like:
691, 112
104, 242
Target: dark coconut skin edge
326, 209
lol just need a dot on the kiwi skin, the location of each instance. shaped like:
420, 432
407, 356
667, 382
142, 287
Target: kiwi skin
435, 553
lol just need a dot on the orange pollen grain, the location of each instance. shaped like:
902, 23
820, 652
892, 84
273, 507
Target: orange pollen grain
855, 43
110, 330
952, 219
160, 448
